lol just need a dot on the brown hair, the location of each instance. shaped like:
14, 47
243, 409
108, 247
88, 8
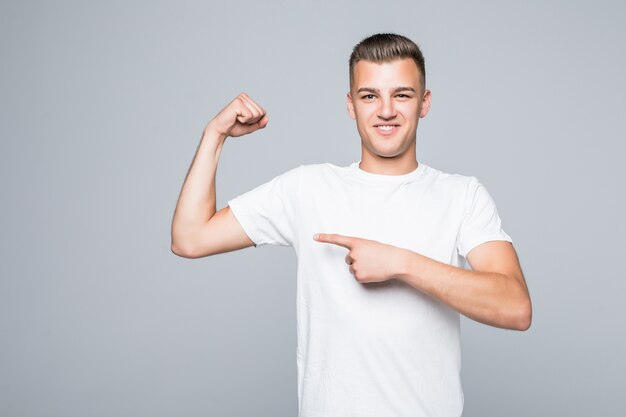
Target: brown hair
385, 47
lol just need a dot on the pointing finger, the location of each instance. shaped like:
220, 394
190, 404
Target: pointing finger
335, 239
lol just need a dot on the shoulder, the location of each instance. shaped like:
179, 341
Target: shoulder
305, 174
308, 172
321, 171
323, 167
290, 175
454, 183
467, 190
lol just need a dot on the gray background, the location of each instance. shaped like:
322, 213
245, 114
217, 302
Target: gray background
102, 106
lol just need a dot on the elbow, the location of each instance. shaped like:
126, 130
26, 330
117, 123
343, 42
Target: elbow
177, 246
519, 310
182, 245
184, 251
522, 316
190, 251
177, 250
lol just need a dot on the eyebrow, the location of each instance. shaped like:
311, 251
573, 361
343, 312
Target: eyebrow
377, 91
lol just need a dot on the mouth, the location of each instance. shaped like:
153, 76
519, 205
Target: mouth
386, 129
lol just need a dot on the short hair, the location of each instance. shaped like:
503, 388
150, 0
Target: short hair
386, 47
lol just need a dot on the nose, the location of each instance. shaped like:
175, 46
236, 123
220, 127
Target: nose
386, 110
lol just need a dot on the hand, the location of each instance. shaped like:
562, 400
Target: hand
240, 117
369, 260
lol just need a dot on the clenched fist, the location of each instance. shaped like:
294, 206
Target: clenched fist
240, 117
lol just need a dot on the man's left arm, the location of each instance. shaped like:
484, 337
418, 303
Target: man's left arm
494, 292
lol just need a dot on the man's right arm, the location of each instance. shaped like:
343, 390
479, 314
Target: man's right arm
197, 229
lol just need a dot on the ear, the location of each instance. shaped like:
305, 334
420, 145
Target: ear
426, 98
351, 107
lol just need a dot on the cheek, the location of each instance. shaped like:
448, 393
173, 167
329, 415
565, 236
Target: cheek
357, 115
362, 112
411, 110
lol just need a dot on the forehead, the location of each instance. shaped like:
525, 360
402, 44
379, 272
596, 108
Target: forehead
399, 72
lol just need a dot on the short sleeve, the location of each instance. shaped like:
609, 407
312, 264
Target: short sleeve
267, 213
481, 222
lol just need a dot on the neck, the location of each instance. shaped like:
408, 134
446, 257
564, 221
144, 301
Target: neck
396, 165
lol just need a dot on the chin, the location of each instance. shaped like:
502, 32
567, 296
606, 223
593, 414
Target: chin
387, 151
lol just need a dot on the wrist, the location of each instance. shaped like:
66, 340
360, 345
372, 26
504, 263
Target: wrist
405, 265
211, 133
212, 139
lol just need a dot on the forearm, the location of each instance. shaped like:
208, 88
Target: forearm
488, 297
197, 201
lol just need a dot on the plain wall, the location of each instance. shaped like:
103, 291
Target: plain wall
102, 105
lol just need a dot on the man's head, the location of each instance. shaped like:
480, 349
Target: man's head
386, 47
387, 98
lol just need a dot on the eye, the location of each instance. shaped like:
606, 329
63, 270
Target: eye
402, 96
368, 97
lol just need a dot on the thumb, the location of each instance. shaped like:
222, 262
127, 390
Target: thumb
263, 122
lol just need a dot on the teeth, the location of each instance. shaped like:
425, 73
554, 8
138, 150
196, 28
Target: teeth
386, 128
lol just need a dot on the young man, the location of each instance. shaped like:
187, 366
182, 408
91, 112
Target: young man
380, 246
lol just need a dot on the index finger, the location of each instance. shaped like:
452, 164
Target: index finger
345, 241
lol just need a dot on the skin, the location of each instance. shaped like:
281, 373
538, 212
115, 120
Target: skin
198, 230
494, 292
388, 93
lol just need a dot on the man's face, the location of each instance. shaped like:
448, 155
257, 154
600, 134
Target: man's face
387, 100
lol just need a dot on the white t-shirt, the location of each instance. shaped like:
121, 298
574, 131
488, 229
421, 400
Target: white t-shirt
380, 349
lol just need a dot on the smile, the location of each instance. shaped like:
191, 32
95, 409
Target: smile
386, 129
